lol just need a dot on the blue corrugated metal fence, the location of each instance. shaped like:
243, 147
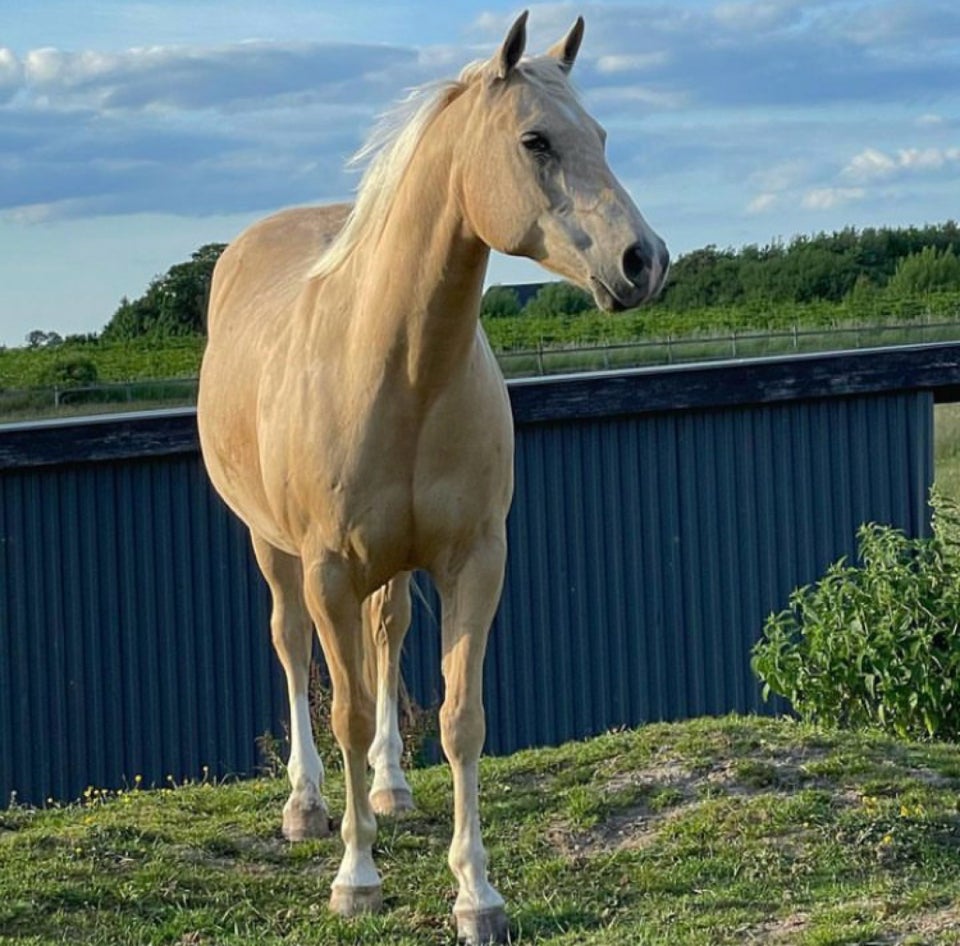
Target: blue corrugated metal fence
659, 517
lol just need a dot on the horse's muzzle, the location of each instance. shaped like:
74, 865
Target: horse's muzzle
643, 271
645, 265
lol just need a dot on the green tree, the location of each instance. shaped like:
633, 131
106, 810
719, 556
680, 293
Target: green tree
929, 270
40, 339
500, 302
558, 298
174, 304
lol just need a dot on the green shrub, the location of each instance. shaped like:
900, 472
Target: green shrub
70, 371
876, 644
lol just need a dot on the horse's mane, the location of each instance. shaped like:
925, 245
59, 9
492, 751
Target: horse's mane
386, 154
392, 143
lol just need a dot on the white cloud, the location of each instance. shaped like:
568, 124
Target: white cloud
873, 164
924, 159
781, 176
757, 14
763, 203
827, 198
613, 63
627, 95
11, 74
870, 164
243, 74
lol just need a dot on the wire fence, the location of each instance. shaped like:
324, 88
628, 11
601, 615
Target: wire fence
546, 359
554, 359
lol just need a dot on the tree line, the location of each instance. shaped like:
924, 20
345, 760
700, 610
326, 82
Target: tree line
846, 264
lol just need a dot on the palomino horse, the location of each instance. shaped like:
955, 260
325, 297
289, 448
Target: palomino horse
352, 415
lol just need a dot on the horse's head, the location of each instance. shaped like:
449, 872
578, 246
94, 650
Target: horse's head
536, 181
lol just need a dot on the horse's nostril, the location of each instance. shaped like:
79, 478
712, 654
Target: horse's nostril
636, 264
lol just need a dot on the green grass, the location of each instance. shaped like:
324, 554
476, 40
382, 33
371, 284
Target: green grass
739, 830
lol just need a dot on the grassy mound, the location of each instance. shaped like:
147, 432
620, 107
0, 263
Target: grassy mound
738, 830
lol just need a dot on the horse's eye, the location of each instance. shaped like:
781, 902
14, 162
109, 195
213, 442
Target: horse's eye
535, 143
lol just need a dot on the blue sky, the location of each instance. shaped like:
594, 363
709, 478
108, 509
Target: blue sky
133, 132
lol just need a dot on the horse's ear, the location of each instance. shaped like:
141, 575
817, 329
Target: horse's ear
565, 52
513, 45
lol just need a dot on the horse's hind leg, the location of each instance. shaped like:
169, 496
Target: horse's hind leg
387, 615
305, 813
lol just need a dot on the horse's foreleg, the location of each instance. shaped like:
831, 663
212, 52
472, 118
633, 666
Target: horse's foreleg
335, 608
388, 613
305, 813
469, 602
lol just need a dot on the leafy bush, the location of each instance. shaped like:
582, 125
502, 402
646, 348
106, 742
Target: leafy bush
70, 371
877, 644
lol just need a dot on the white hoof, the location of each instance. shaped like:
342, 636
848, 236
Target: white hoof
392, 801
477, 927
302, 821
356, 901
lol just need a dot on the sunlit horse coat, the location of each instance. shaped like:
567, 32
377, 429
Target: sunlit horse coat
352, 415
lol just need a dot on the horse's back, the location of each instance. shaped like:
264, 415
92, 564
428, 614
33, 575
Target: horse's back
261, 272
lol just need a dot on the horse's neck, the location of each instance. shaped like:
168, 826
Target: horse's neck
419, 281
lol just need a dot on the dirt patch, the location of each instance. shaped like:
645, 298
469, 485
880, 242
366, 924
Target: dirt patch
777, 931
668, 790
932, 927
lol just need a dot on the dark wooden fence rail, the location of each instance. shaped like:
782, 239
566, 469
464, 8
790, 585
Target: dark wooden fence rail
660, 515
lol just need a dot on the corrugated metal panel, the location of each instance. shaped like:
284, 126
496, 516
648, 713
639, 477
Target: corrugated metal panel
645, 553
133, 633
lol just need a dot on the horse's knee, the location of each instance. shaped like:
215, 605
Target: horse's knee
290, 631
462, 730
354, 721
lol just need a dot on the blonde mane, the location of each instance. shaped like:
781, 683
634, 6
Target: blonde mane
393, 141
386, 154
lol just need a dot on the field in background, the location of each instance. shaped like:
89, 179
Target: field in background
947, 449
162, 373
704, 833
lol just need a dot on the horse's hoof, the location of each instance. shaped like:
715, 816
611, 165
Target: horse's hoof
301, 823
356, 901
476, 927
391, 801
